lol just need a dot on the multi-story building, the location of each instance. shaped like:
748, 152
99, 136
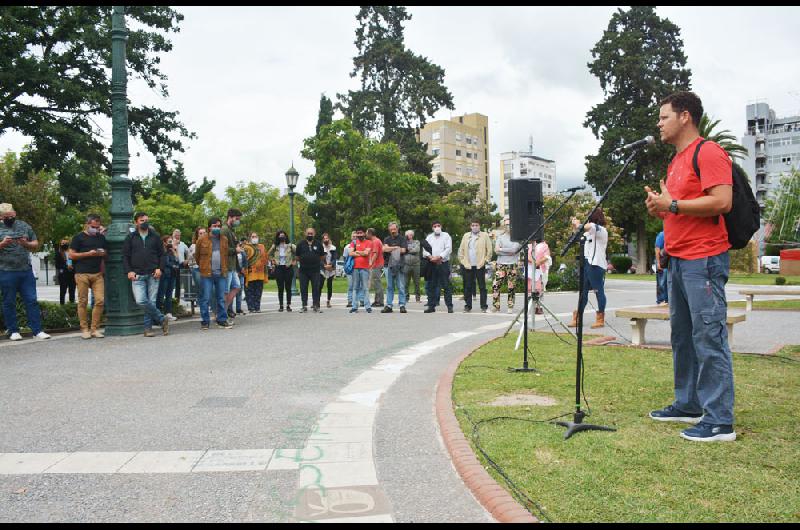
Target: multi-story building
516, 165
461, 149
773, 146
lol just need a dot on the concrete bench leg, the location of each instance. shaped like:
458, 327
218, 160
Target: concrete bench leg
730, 335
637, 331
749, 303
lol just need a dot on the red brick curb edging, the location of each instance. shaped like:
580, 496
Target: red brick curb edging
496, 500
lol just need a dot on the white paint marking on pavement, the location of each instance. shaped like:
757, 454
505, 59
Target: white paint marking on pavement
234, 460
162, 462
28, 463
84, 462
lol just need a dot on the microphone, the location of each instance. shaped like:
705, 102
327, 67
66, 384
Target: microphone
573, 190
647, 140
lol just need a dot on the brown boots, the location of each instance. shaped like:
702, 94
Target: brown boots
600, 320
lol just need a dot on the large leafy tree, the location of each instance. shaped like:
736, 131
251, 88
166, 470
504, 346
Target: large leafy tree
55, 82
399, 89
639, 60
782, 214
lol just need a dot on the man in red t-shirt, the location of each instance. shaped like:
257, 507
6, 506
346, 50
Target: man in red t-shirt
376, 267
697, 241
362, 250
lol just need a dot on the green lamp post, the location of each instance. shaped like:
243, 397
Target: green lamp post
291, 181
123, 316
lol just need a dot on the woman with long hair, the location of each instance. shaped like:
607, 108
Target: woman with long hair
594, 266
256, 272
282, 257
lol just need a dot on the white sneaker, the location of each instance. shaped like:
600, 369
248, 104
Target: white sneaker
15, 336
172, 318
42, 335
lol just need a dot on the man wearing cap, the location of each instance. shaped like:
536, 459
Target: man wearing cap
17, 240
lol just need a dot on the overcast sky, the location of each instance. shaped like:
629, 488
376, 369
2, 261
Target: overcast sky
247, 80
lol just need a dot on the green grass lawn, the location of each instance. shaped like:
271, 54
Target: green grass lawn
644, 472
735, 278
769, 304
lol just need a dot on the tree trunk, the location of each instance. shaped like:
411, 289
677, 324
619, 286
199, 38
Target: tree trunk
641, 248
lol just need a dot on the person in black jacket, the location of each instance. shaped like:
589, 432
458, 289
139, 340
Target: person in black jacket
66, 273
142, 251
310, 254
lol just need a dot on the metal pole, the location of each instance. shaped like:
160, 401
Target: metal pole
291, 237
123, 315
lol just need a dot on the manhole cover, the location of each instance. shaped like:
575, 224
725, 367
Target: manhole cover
222, 402
515, 400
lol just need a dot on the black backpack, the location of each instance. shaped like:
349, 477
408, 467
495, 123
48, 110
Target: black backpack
744, 219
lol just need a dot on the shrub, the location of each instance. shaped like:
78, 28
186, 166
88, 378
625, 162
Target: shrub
54, 315
563, 281
780, 280
621, 263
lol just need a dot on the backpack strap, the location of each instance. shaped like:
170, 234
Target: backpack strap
696, 168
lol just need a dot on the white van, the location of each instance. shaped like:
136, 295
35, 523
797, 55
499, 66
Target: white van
770, 264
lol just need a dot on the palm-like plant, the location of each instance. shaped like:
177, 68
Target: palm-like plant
724, 138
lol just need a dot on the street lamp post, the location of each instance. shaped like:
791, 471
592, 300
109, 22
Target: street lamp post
123, 316
291, 181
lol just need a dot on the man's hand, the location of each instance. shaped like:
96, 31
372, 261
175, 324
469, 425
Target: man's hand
658, 202
157, 274
131, 275
6, 242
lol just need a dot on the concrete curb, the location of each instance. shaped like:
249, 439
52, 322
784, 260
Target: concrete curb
495, 499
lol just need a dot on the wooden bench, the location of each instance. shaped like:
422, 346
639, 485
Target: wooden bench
640, 316
750, 293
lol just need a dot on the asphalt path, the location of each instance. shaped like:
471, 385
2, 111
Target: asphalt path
286, 417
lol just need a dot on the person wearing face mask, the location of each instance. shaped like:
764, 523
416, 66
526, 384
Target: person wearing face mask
376, 267
256, 273
310, 255
506, 270
191, 259
328, 271
234, 219
361, 249
88, 250
211, 251
17, 241
66, 272
350, 279
394, 247
166, 284
441, 247
473, 253
142, 251
282, 256
411, 263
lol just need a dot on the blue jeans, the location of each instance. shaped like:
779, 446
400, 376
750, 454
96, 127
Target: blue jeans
662, 290
24, 283
701, 356
594, 279
397, 279
145, 290
166, 286
360, 287
217, 284
350, 283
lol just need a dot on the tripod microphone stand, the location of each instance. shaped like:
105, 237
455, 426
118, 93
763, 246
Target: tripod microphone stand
524, 253
577, 424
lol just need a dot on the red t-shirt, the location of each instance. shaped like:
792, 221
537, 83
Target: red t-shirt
689, 237
362, 262
377, 247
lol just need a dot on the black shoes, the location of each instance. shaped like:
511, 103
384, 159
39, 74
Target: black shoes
403, 309
304, 310
387, 309
429, 310
450, 309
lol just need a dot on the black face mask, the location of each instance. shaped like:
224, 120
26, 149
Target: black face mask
9, 221
64, 247
361, 238
144, 226
282, 239
309, 238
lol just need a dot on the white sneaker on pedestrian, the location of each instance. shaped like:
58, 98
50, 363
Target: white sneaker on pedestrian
42, 335
172, 318
15, 336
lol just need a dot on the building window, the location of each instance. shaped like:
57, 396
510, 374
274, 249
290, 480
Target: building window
459, 137
469, 140
458, 170
475, 155
469, 154
436, 136
458, 152
435, 151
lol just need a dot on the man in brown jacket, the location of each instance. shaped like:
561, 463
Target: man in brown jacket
473, 253
211, 256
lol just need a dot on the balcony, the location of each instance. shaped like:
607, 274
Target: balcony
762, 170
761, 154
762, 187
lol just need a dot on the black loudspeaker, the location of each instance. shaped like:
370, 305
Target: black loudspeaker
525, 208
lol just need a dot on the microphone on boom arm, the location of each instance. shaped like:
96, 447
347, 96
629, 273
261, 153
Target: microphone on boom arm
647, 140
574, 189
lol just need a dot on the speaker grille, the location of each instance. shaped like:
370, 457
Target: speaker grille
525, 208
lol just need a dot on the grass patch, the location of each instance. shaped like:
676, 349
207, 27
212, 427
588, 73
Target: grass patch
735, 278
644, 472
768, 304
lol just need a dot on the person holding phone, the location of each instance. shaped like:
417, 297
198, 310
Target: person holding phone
87, 251
17, 240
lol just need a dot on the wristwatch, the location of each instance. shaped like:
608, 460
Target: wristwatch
673, 207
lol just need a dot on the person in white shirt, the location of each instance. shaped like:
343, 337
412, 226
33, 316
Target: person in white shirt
439, 260
595, 265
182, 253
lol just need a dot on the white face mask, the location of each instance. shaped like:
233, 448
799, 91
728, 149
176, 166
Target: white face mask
437, 230
254, 240
475, 230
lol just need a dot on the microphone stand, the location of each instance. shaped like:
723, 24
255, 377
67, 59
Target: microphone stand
577, 424
524, 252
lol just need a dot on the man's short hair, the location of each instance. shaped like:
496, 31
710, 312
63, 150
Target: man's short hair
395, 223
92, 217
233, 212
475, 221
685, 101
214, 220
410, 232
371, 231
138, 215
436, 223
360, 229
